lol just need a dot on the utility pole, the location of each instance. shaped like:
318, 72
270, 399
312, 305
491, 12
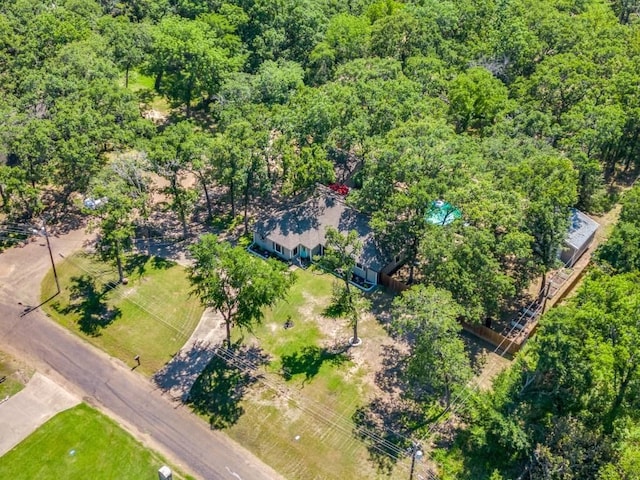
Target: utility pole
416, 453
53, 264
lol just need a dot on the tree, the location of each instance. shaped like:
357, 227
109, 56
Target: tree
348, 36
476, 99
341, 252
427, 318
560, 82
306, 168
240, 153
19, 198
115, 203
171, 153
599, 332
622, 250
340, 255
466, 262
287, 29
188, 60
128, 41
276, 81
203, 165
234, 283
399, 35
401, 224
549, 183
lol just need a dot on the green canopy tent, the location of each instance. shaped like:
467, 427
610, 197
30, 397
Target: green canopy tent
442, 213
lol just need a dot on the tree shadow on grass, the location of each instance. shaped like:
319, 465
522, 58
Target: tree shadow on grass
136, 264
391, 378
87, 301
386, 423
381, 301
310, 359
220, 388
385, 427
334, 310
160, 263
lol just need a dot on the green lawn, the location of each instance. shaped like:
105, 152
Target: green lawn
303, 428
80, 444
152, 316
138, 81
144, 85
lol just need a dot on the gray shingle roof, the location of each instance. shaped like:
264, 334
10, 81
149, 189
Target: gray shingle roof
306, 223
580, 229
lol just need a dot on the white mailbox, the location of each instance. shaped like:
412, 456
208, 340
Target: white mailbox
165, 473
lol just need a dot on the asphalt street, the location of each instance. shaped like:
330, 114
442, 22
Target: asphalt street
107, 383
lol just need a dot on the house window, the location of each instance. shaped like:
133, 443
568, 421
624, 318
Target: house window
295, 251
396, 259
359, 265
277, 247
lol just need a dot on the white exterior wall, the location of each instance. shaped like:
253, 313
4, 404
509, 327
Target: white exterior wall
570, 254
266, 244
372, 277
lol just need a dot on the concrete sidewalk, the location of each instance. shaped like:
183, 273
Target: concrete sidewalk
23, 413
178, 376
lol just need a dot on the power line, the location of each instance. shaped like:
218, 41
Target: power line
321, 410
376, 442
111, 285
318, 411
466, 391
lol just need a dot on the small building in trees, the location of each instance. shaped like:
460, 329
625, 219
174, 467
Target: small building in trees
297, 234
582, 230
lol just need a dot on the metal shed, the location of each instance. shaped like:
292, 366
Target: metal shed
582, 229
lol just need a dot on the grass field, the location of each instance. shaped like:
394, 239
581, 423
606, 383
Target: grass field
298, 417
79, 444
152, 316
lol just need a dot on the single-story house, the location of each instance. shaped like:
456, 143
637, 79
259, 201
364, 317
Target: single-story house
582, 229
298, 232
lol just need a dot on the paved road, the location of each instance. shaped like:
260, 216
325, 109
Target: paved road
106, 382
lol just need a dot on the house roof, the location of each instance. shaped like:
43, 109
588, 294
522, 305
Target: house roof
581, 229
306, 224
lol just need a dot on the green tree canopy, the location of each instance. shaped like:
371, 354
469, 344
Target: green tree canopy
236, 284
427, 317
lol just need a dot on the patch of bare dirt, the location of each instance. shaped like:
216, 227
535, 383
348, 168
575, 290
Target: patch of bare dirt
156, 116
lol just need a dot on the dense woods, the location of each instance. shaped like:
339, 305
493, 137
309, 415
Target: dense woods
514, 111
567, 408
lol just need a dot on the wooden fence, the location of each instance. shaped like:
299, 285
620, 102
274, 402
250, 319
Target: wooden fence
494, 338
392, 284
